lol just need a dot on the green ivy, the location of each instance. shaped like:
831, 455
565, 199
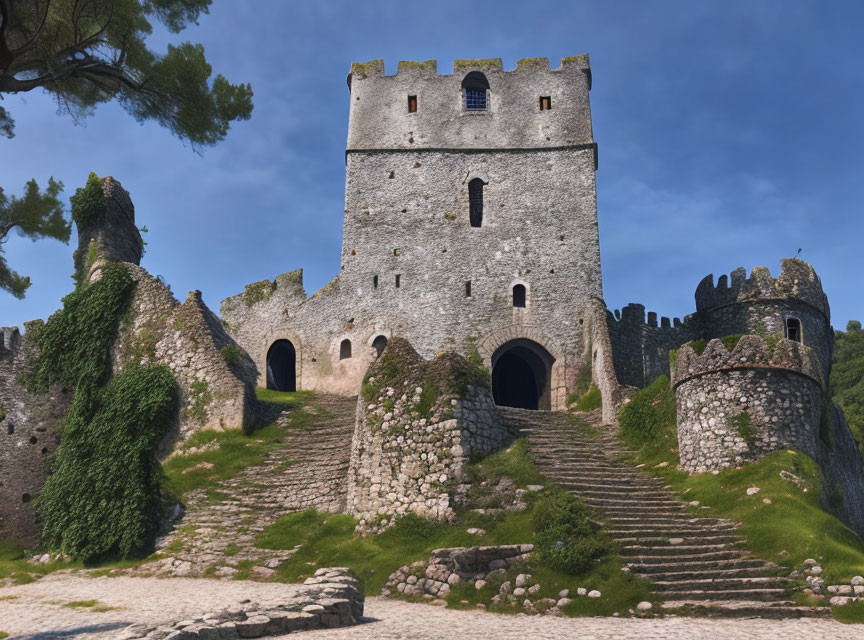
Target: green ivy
231, 354
89, 203
103, 497
198, 401
75, 344
567, 538
744, 426
649, 412
258, 292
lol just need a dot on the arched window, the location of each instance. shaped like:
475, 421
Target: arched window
379, 344
475, 87
345, 349
793, 329
475, 202
519, 295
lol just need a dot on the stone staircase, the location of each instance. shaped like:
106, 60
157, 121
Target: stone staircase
695, 563
308, 469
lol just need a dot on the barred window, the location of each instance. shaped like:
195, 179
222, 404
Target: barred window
475, 88
475, 99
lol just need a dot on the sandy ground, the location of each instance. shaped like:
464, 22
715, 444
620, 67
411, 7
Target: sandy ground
35, 611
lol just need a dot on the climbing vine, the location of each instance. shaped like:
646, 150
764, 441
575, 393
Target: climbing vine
103, 497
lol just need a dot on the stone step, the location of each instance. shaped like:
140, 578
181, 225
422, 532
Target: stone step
663, 541
668, 532
669, 549
766, 594
721, 584
704, 571
695, 559
780, 609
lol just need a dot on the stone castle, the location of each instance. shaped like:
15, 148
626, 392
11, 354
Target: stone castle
470, 227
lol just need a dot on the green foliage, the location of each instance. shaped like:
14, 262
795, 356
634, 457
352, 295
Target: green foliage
699, 345
197, 401
648, 414
75, 344
566, 538
850, 613
590, 400
231, 353
258, 292
2, 413
173, 89
103, 498
847, 377
293, 398
37, 214
428, 397
731, 341
514, 462
744, 427
89, 203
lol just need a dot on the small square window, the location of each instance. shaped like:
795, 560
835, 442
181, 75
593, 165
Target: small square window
467, 288
412, 104
398, 280
475, 99
545, 103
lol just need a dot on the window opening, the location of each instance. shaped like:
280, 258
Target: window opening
345, 349
374, 282
519, 295
475, 87
398, 280
412, 104
475, 202
467, 288
793, 329
545, 103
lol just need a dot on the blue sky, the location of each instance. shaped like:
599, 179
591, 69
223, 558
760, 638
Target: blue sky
730, 134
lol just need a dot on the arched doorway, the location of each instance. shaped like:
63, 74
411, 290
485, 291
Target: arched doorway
521, 375
282, 366
379, 344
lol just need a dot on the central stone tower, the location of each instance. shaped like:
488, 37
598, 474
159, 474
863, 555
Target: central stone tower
470, 221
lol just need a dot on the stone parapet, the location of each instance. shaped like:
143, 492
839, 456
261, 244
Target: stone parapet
751, 352
797, 280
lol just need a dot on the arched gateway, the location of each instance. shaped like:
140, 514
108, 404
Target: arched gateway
282, 366
521, 375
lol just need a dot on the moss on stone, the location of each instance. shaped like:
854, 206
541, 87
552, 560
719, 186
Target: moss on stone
466, 65
425, 65
525, 63
2, 413
367, 68
197, 401
258, 292
580, 59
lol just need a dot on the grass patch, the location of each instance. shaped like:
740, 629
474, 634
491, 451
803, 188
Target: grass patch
13, 564
850, 613
3, 634
514, 462
227, 453
590, 400
790, 529
80, 604
8, 598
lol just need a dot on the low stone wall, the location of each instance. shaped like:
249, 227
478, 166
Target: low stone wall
333, 598
409, 444
742, 404
447, 567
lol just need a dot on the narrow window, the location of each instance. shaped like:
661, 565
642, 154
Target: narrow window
467, 288
545, 103
793, 329
475, 202
412, 104
374, 282
345, 349
475, 88
378, 344
519, 295
398, 280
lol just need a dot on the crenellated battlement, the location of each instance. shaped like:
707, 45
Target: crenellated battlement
751, 352
634, 314
533, 106
797, 280
429, 68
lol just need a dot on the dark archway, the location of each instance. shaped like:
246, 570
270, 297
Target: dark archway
282, 366
379, 344
521, 375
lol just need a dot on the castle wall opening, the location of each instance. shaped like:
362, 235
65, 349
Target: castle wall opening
521, 375
282, 366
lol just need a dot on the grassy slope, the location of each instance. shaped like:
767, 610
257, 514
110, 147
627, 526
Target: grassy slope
792, 528
328, 540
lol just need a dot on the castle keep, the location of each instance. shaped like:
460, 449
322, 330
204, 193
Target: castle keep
470, 229
470, 222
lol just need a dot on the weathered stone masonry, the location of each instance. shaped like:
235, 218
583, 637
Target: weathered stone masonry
777, 391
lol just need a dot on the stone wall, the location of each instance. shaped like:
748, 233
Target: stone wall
215, 393
414, 435
737, 405
115, 235
28, 437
